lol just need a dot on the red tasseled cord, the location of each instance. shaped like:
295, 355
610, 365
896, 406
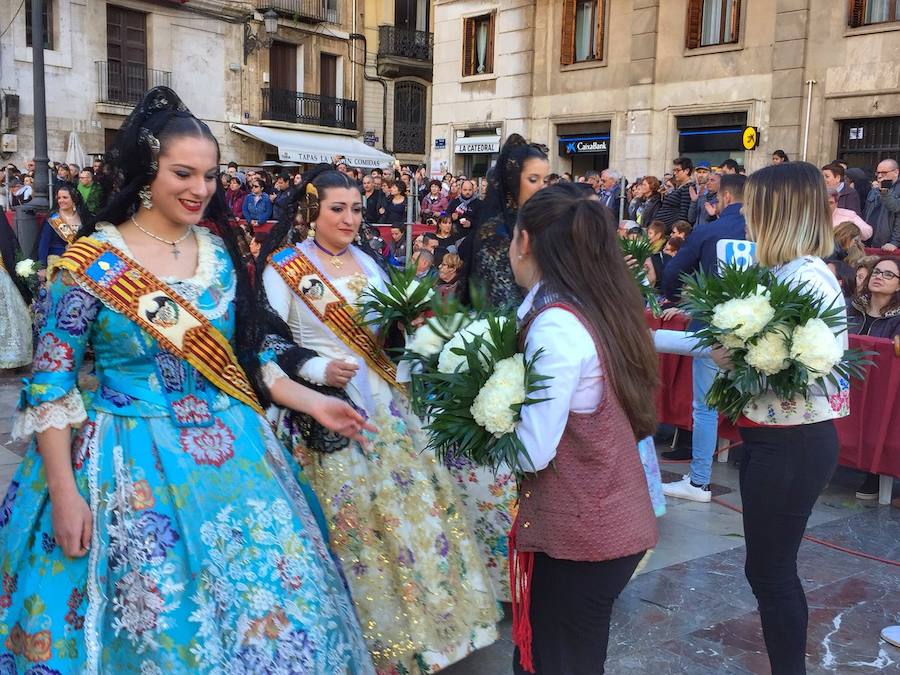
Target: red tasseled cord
521, 567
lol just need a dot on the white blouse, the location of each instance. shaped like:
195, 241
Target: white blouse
569, 358
822, 404
366, 388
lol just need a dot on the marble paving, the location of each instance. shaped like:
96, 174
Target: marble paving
689, 610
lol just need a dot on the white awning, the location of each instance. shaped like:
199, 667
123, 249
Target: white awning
311, 148
474, 145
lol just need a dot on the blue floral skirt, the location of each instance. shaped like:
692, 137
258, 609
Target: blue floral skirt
206, 558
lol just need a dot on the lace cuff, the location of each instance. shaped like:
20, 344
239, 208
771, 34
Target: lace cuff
271, 373
57, 414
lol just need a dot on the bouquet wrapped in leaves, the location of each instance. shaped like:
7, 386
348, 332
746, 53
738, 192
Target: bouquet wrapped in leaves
404, 299
640, 249
780, 337
470, 383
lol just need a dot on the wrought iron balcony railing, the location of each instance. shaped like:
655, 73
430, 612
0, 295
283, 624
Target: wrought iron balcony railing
307, 11
125, 84
284, 105
410, 44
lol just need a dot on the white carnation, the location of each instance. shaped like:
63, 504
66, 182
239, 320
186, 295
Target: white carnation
492, 408
449, 362
746, 317
770, 353
426, 341
731, 341
815, 345
25, 268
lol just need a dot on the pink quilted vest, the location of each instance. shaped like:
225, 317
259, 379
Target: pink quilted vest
592, 503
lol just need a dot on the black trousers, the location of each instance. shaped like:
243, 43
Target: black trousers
571, 604
783, 472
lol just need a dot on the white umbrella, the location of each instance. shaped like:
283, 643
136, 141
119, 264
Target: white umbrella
75, 154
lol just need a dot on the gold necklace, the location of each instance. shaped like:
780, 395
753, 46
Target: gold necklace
335, 257
173, 243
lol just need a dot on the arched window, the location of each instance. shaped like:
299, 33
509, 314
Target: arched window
410, 99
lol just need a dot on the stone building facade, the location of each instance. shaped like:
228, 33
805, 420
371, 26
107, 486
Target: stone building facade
399, 56
635, 83
304, 83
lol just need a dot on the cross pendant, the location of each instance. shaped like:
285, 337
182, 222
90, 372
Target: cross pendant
176, 252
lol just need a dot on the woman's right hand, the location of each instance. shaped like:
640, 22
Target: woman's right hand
722, 358
73, 523
339, 373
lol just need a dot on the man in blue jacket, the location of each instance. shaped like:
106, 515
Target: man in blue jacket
699, 253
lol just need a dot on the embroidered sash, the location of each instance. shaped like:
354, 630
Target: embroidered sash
63, 229
330, 307
179, 328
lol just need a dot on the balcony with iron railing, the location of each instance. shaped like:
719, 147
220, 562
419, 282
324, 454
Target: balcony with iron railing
283, 105
403, 52
305, 11
124, 85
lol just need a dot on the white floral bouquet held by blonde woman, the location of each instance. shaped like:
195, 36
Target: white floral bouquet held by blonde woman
470, 382
779, 337
404, 299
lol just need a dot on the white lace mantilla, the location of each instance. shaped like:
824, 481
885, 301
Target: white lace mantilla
209, 268
59, 414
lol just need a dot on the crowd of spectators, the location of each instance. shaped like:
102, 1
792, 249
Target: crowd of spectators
92, 183
667, 209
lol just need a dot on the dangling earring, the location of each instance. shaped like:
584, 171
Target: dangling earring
145, 197
312, 231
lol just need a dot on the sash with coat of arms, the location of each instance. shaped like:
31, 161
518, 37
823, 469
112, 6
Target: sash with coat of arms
122, 284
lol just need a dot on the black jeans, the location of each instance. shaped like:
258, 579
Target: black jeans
783, 471
571, 604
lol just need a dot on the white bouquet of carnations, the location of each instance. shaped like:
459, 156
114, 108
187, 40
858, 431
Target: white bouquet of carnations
780, 337
470, 382
27, 270
404, 299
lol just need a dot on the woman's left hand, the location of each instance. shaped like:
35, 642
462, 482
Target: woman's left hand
340, 417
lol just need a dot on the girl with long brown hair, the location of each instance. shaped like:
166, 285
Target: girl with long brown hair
585, 523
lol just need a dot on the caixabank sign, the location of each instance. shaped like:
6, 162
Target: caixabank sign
584, 145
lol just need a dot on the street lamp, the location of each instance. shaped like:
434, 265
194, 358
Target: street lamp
253, 41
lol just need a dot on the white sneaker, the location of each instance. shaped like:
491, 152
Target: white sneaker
684, 490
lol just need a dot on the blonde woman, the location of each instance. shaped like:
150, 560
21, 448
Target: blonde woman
848, 238
790, 446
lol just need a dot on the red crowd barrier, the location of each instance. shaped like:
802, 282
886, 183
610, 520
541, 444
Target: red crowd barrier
384, 230
881, 251
866, 441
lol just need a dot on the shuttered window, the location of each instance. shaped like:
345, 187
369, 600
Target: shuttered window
46, 19
867, 12
126, 54
582, 31
478, 45
712, 22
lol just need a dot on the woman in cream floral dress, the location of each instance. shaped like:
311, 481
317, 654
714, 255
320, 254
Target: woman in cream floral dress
15, 324
414, 570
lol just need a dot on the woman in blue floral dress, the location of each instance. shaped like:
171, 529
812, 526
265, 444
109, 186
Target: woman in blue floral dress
159, 527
